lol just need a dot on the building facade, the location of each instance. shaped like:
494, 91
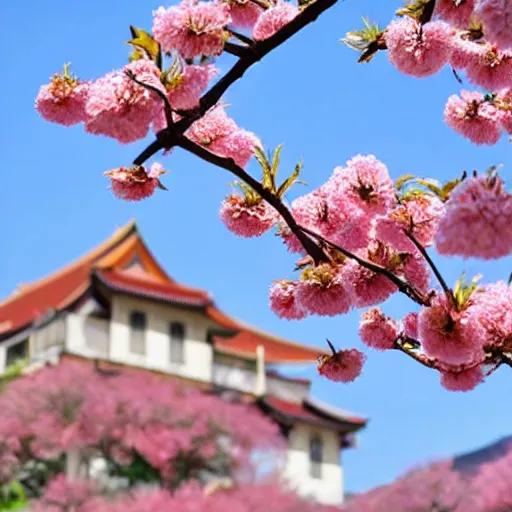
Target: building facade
116, 306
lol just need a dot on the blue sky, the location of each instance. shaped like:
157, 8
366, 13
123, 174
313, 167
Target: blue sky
312, 96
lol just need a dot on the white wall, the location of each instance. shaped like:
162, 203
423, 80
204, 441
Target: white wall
328, 489
198, 353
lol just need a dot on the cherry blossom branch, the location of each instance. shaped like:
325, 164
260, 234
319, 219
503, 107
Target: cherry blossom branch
252, 54
431, 264
428, 12
229, 164
234, 49
423, 359
159, 93
404, 286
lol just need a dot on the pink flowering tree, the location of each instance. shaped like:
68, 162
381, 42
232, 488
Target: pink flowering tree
145, 428
361, 237
77, 496
441, 487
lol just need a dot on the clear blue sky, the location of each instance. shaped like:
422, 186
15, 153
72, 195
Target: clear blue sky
311, 95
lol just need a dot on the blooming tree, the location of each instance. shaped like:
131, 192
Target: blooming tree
63, 495
146, 428
441, 487
361, 236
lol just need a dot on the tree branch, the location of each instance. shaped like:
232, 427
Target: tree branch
405, 287
227, 163
428, 12
234, 49
252, 54
424, 360
431, 264
244, 39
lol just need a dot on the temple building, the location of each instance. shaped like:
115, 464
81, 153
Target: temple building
116, 307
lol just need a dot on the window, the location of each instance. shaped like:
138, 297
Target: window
177, 342
316, 456
138, 333
16, 353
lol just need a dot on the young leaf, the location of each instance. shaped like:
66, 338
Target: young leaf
143, 40
262, 158
285, 186
402, 180
432, 185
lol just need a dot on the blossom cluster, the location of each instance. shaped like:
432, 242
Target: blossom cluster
472, 37
71, 406
79, 496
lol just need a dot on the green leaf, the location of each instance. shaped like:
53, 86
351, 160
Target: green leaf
448, 188
276, 159
262, 158
433, 185
365, 41
142, 40
285, 186
413, 9
402, 180
463, 290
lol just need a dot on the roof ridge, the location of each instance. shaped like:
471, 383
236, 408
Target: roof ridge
118, 235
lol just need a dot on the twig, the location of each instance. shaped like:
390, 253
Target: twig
251, 56
159, 93
402, 285
261, 3
428, 12
229, 164
244, 39
431, 264
424, 360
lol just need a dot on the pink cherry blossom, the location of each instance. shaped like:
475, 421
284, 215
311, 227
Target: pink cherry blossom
418, 50
453, 337
192, 27
274, 19
247, 217
118, 107
283, 302
238, 145
418, 215
490, 68
364, 183
494, 306
410, 325
211, 127
190, 84
366, 287
496, 18
377, 330
63, 100
135, 183
344, 366
243, 13
465, 50
474, 117
416, 271
463, 380
478, 220
323, 291
504, 103
456, 13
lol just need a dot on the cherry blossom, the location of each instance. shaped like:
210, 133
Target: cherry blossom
192, 28
343, 366
274, 19
135, 183
475, 117
478, 220
456, 13
418, 50
496, 17
283, 301
63, 100
377, 330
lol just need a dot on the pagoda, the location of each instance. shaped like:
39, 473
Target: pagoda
116, 307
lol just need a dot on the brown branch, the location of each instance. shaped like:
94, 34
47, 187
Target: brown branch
229, 164
424, 360
428, 12
159, 93
252, 54
234, 49
431, 264
404, 286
